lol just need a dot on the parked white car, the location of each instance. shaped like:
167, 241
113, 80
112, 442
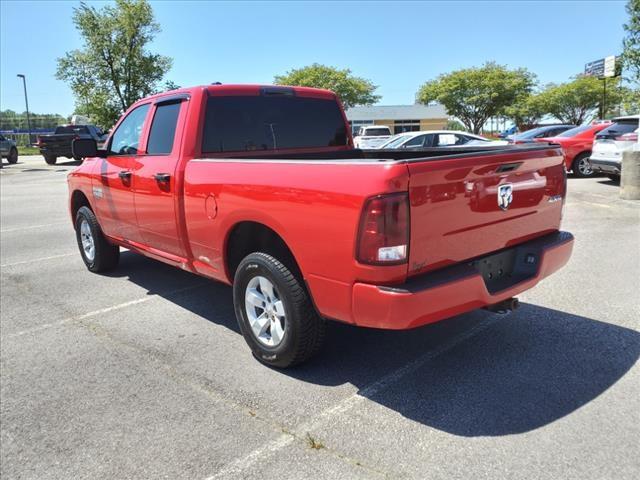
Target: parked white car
439, 138
371, 136
610, 143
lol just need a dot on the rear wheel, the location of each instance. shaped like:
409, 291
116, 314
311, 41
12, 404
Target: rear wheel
97, 253
50, 159
13, 155
275, 313
582, 166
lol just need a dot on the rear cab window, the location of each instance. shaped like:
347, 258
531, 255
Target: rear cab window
376, 132
245, 123
72, 129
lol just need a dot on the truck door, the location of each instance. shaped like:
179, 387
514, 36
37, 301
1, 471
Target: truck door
113, 188
157, 191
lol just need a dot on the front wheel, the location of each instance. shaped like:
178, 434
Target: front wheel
97, 253
13, 155
50, 159
582, 166
275, 313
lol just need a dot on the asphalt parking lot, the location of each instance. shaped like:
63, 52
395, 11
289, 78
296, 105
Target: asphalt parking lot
142, 373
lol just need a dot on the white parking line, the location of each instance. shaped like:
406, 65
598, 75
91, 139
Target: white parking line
30, 227
238, 466
41, 259
94, 313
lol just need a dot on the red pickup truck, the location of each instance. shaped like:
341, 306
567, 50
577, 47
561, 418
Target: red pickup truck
260, 187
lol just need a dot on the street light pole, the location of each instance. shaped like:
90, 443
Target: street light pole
26, 101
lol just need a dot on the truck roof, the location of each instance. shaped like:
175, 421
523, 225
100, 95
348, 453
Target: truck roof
248, 89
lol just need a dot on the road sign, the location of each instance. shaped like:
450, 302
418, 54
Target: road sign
595, 68
610, 66
603, 67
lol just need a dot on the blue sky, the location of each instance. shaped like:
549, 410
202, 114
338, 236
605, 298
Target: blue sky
397, 45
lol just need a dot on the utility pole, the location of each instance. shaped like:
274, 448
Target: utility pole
604, 99
26, 101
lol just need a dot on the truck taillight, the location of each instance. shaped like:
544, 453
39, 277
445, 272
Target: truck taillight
383, 238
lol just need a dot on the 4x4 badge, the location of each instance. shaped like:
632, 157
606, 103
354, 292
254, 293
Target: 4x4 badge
505, 195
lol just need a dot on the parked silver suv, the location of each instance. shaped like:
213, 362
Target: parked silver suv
610, 143
8, 149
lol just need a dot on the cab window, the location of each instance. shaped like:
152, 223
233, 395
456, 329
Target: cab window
163, 129
126, 138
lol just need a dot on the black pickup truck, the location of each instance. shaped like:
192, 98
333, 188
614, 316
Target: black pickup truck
58, 144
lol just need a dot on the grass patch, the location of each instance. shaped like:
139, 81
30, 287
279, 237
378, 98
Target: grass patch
28, 151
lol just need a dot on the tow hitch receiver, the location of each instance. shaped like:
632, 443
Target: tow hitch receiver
504, 306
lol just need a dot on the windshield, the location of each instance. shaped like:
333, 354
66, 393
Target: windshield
618, 128
376, 132
572, 132
531, 133
395, 141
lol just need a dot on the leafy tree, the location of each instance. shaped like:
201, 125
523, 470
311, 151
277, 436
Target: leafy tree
453, 124
351, 90
10, 120
631, 42
527, 112
476, 94
576, 102
113, 69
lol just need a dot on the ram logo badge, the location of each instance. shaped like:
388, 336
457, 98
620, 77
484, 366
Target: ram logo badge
505, 195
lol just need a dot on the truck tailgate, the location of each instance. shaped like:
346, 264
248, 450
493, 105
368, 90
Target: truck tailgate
465, 206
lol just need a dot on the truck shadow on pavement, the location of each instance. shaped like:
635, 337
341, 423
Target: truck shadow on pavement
477, 374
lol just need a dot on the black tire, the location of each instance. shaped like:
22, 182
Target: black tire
13, 155
579, 171
304, 329
106, 255
614, 178
50, 159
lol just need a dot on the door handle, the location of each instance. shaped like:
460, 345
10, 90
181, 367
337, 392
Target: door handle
124, 175
162, 177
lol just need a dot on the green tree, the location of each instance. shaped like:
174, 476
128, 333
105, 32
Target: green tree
631, 42
114, 68
351, 90
527, 112
473, 95
453, 124
576, 102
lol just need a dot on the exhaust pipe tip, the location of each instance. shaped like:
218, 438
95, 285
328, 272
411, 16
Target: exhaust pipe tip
505, 306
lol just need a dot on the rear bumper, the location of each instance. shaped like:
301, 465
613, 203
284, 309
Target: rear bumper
460, 288
607, 166
56, 151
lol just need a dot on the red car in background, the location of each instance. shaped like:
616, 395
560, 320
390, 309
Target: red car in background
576, 145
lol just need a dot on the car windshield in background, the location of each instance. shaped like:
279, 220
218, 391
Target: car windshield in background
72, 129
530, 133
376, 132
254, 123
572, 132
394, 142
618, 128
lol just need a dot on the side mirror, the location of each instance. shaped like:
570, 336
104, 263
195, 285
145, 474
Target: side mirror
86, 147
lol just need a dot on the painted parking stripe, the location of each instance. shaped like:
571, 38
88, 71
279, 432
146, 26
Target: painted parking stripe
120, 306
41, 259
30, 227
